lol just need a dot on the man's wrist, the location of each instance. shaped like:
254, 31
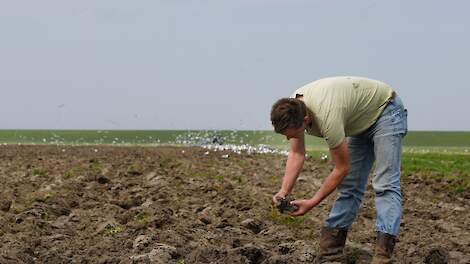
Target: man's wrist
283, 192
314, 201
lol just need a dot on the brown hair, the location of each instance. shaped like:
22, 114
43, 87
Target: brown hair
287, 113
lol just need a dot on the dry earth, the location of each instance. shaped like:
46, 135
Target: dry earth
95, 204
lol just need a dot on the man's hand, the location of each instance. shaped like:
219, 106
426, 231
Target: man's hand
304, 206
279, 195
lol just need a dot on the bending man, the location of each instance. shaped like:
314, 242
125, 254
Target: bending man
362, 121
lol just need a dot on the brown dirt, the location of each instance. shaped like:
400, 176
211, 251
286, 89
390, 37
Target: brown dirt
95, 204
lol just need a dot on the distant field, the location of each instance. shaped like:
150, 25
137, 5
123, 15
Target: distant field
435, 155
415, 141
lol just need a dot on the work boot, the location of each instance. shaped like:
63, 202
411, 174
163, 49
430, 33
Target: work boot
332, 242
383, 248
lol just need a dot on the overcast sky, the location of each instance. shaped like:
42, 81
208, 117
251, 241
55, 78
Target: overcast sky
219, 64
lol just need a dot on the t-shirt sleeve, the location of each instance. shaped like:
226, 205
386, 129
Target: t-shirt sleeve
333, 130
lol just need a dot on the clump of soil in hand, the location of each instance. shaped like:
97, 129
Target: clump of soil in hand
284, 205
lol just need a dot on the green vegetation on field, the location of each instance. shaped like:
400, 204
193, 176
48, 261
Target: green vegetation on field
285, 219
135, 170
438, 139
111, 230
39, 172
73, 172
142, 218
453, 168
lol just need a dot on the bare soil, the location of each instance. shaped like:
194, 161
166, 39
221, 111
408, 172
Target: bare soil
98, 204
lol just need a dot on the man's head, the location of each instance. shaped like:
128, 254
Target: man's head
288, 114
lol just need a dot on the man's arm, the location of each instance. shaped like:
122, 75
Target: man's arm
295, 161
340, 158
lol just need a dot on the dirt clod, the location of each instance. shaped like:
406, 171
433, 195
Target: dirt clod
141, 242
163, 252
103, 179
5, 204
254, 225
252, 253
437, 256
284, 205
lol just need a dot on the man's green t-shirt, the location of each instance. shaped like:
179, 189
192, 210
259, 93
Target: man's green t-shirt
343, 106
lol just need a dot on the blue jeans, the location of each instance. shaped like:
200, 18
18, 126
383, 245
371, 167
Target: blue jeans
382, 143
